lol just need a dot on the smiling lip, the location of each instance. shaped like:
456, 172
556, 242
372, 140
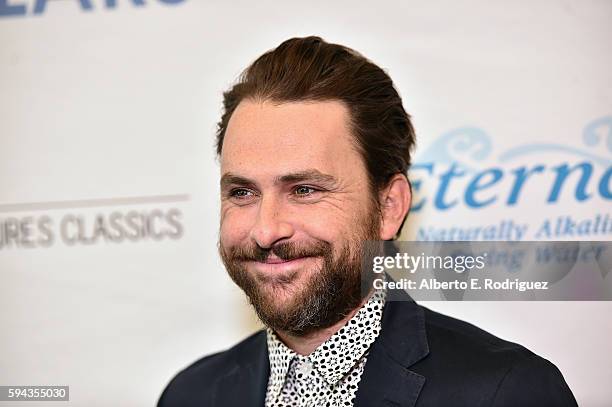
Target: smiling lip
278, 260
278, 265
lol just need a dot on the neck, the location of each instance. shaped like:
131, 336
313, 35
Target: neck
306, 344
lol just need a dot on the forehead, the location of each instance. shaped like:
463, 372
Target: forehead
271, 137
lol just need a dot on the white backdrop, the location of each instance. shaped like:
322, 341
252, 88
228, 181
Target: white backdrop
109, 276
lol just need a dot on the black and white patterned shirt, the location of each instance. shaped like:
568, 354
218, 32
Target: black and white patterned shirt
330, 374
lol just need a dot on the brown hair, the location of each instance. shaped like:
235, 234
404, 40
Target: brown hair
311, 69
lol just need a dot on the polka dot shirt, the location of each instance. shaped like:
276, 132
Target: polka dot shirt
329, 376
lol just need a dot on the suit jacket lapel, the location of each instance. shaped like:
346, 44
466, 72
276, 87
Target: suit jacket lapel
246, 382
386, 380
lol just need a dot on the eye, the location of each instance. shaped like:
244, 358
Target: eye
304, 190
240, 193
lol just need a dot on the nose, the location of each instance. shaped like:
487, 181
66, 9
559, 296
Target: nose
271, 224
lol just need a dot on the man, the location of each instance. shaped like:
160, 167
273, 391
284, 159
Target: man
315, 146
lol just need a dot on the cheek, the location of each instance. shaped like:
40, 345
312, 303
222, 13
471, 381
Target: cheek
327, 225
235, 226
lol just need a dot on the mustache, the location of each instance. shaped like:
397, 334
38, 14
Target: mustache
284, 250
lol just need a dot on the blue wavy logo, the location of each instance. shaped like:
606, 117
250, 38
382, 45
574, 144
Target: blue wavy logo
458, 156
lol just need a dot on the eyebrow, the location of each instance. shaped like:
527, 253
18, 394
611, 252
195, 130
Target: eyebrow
311, 175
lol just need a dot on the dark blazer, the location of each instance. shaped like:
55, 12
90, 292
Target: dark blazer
421, 358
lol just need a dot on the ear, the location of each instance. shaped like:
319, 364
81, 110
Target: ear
395, 201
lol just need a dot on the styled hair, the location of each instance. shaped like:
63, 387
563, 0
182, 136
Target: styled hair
310, 69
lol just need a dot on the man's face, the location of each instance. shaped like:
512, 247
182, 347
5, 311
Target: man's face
295, 209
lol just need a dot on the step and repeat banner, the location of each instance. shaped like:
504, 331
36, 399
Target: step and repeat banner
110, 280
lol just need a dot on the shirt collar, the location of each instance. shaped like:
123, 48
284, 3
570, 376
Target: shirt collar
280, 357
335, 357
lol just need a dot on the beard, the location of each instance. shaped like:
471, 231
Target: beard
330, 292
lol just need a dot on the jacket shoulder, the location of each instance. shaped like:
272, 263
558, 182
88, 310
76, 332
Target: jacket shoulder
442, 329
463, 357
192, 386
